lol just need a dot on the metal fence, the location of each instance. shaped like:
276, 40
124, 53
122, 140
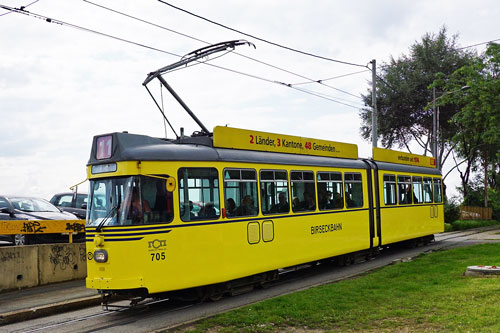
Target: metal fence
34, 227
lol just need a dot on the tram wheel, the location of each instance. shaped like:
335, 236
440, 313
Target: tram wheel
215, 297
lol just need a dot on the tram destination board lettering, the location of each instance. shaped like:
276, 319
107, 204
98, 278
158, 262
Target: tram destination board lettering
392, 156
227, 137
324, 228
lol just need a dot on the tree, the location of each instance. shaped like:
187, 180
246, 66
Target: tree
403, 94
478, 122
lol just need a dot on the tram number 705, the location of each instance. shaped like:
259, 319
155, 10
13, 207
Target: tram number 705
157, 256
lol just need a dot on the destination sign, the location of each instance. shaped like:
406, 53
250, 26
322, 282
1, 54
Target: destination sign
228, 137
392, 156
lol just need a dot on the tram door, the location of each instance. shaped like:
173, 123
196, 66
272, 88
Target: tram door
274, 199
373, 185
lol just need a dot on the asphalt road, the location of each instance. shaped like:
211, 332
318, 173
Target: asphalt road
166, 315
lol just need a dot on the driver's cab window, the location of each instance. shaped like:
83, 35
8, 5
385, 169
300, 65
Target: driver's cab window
130, 200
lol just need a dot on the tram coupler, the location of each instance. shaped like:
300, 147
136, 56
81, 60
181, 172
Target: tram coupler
134, 302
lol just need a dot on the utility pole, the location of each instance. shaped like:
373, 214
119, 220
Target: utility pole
485, 158
374, 104
434, 126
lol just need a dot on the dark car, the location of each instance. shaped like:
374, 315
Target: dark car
28, 208
75, 203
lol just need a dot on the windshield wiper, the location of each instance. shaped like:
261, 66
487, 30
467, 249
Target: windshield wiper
106, 218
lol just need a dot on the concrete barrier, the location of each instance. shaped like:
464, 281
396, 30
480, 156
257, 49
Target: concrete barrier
33, 265
61, 262
18, 267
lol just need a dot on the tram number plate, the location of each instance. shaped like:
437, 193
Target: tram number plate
158, 256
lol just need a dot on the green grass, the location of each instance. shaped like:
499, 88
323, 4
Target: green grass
471, 224
429, 294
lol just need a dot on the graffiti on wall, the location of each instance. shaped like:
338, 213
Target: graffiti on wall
10, 256
61, 257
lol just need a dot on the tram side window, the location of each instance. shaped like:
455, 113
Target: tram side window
240, 192
353, 190
274, 192
330, 192
390, 195
303, 191
417, 190
438, 197
427, 190
198, 194
404, 189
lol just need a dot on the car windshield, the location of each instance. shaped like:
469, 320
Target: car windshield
129, 201
81, 200
33, 205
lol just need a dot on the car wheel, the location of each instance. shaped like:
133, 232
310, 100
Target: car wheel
21, 240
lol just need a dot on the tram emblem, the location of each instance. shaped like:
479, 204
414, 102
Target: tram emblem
157, 244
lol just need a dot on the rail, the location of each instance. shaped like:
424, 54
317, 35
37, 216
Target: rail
36, 227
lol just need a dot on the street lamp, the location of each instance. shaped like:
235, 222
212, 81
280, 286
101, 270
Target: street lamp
435, 121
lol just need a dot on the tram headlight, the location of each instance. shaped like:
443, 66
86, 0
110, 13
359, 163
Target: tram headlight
101, 255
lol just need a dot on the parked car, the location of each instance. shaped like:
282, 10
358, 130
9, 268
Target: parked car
75, 203
29, 208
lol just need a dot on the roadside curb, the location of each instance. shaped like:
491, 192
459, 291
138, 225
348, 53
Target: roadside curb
49, 309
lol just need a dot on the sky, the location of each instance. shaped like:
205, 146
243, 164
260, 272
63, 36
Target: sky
61, 85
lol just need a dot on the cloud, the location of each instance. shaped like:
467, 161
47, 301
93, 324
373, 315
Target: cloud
60, 86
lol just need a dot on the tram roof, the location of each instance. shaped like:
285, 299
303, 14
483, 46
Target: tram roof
384, 166
133, 147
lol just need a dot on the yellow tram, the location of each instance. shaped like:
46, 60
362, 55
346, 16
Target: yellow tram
214, 213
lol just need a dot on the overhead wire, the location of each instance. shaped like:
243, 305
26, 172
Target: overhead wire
488, 42
318, 93
459, 48
9, 12
331, 78
81, 28
322, 96
161, 111
261, 39
321, 82
77, 27
337, 98
199, 62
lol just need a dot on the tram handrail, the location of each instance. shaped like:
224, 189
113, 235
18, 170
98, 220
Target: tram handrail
32, 227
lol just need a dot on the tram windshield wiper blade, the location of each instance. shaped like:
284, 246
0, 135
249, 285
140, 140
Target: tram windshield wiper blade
106, 218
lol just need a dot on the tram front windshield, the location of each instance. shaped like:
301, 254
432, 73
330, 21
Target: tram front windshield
130, 200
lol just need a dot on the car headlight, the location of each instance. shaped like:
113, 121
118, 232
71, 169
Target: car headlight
101, 255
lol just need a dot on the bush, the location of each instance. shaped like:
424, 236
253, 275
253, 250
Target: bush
494, 203
472, 224
451, 212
